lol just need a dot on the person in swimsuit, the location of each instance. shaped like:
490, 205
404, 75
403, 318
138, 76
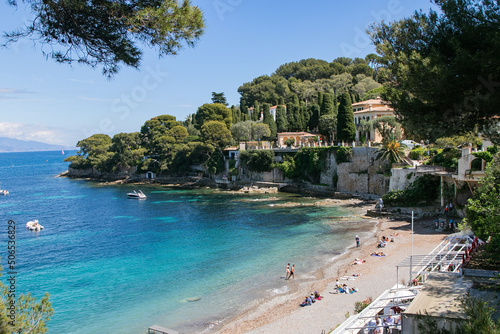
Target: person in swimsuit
287, 271
292, 272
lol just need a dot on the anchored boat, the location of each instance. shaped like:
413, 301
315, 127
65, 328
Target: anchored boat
136, 194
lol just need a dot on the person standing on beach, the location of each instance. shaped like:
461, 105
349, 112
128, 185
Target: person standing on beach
292, 272
357, 241
287, 271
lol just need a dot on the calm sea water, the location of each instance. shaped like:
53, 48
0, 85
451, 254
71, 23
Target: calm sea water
182, 259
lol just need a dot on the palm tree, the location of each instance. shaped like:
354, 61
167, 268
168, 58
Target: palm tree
391, 150
365, 128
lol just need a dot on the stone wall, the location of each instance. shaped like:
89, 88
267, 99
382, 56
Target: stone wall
275, 175
363, 174
402, 178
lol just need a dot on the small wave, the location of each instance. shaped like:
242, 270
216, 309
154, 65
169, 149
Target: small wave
282, 290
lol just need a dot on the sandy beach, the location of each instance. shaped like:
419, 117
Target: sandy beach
282, 314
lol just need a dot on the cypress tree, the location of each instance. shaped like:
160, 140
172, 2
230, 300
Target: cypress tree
320, 98
269, 120
346, 129
281, 119
314, 119
335, 103
234, 115
304, 116
256, 111
327, 108
290, 115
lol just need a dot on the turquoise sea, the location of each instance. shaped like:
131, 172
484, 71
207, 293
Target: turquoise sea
182, 259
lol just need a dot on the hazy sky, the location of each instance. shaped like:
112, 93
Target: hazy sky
59, 104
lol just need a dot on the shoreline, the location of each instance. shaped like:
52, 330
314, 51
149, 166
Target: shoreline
281, 313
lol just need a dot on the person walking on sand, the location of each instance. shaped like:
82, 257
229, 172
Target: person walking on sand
287, 271
292, 272
357, 241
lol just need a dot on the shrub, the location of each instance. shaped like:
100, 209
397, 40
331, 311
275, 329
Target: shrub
423, 191
447, 157
258, 160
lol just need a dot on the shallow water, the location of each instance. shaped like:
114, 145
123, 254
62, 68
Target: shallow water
181, 259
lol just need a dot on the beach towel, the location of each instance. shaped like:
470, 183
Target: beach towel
378, 255
348, 278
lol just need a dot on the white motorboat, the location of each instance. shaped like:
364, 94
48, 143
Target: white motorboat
33, 225
3, 191
136, 194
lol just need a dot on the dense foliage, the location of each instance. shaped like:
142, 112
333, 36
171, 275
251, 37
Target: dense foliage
257, 160
162, 146
309, 88
423, 191
483, 210
442, 68
105, 33
308, 163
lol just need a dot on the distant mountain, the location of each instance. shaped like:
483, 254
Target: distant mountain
16, 145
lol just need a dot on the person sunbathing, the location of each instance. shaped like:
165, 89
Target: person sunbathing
306, 302
378, 254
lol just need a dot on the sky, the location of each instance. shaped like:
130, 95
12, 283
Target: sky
55, 103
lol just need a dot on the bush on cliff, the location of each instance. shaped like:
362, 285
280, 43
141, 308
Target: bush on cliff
258, 160
423, 191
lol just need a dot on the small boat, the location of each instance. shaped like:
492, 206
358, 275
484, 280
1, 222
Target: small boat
33, 225
136, 194
3, 191
62, 152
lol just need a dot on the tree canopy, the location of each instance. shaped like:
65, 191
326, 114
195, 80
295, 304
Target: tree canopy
106, 32
213, 112
443, 74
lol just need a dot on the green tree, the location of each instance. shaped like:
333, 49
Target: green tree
242, 131
269, 120
346, 129
365, 128
281, 119
328, 107
216, 134
483, 209
442, 67
314, 117
327, 126
213, 112
219, 98
127, 149
260, 130
156, 135
106, 32
30, 316
94, 152
387, 126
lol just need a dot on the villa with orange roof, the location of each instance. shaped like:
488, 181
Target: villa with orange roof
369, 110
